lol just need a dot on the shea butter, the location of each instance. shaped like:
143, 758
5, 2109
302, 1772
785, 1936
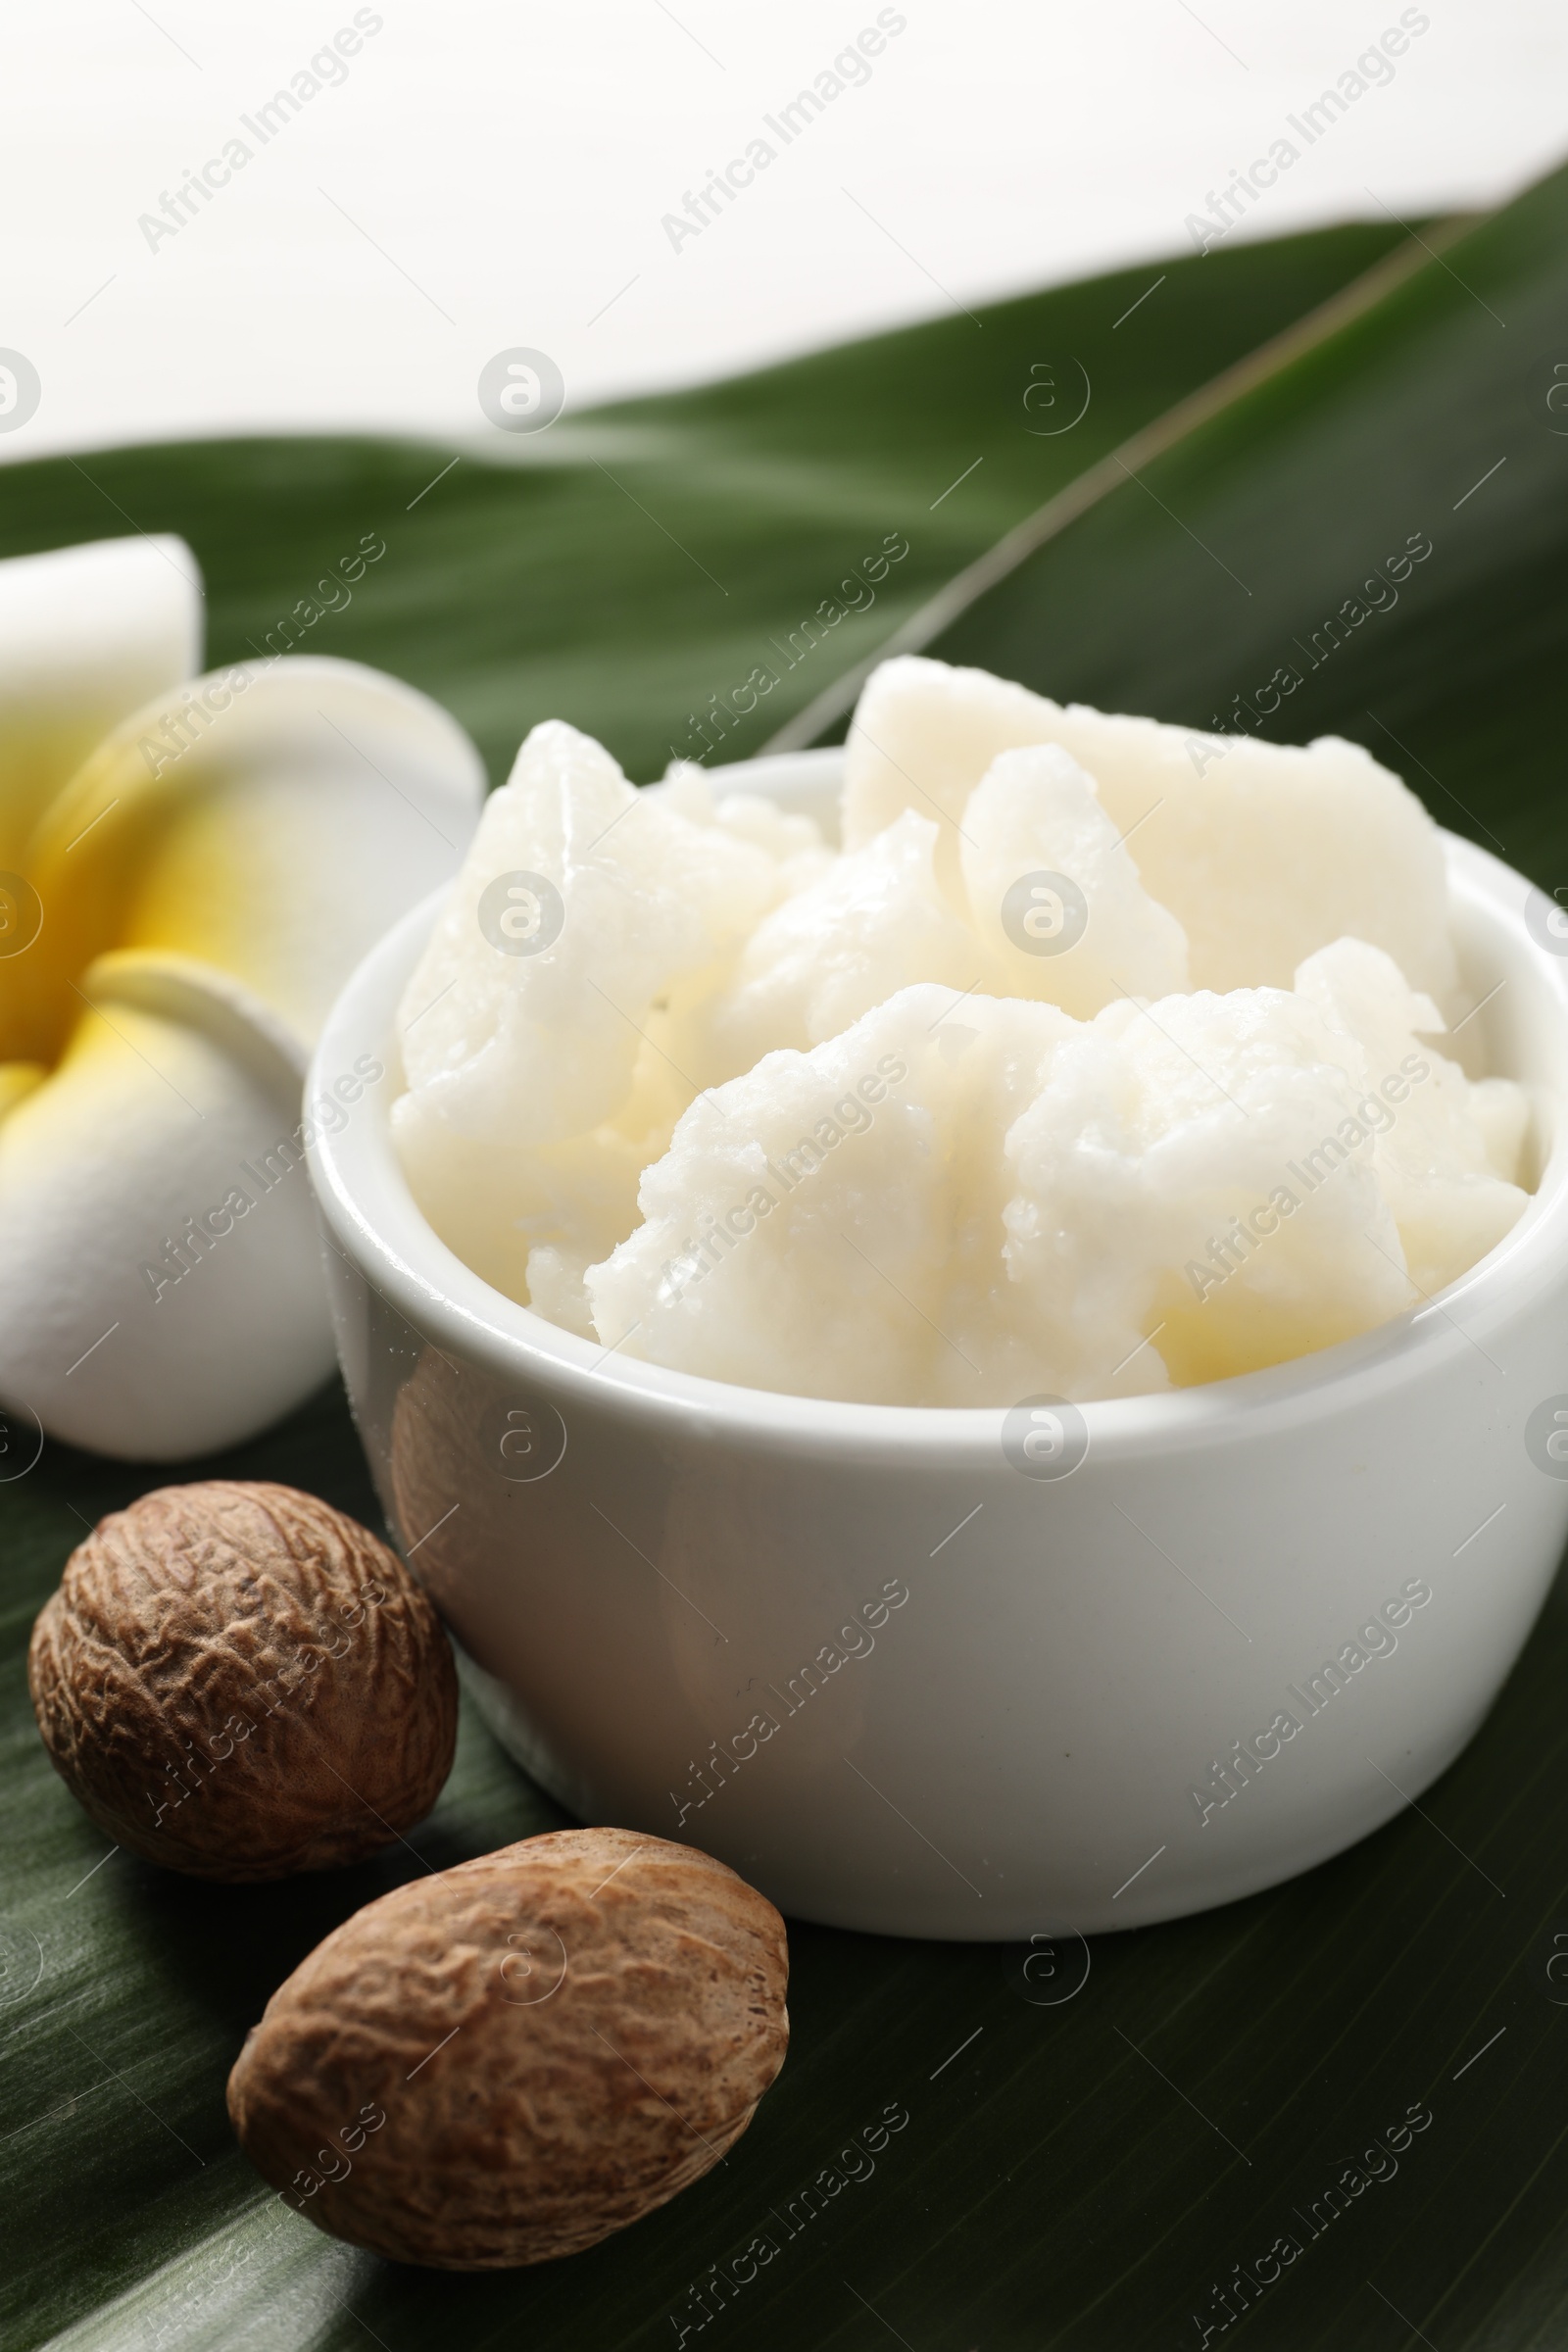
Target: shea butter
1100, 1057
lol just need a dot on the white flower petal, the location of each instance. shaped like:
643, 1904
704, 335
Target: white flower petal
315, 800
86, 635
171, 1131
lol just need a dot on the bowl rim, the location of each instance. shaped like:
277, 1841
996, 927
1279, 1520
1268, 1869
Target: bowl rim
368, 1206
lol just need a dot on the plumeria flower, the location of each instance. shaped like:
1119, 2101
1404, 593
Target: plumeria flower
188, 873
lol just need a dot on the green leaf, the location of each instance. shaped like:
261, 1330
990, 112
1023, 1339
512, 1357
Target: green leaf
625, 568
1081, 2175
1441, 412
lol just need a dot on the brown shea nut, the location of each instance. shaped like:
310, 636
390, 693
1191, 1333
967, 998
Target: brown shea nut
236, 1681
507, 2061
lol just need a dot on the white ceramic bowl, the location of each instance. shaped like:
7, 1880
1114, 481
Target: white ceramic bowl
642, 1565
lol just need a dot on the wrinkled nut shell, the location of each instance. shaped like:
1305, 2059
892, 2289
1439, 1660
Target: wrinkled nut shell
507, 2061
236, 1681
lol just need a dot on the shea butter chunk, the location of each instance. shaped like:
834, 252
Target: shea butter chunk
830, 1222
793, 840
1262, 852
1166, 1220
1433, 1134
1054, 895
535, 1095
872, 923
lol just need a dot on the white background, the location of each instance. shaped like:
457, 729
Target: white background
493, 174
